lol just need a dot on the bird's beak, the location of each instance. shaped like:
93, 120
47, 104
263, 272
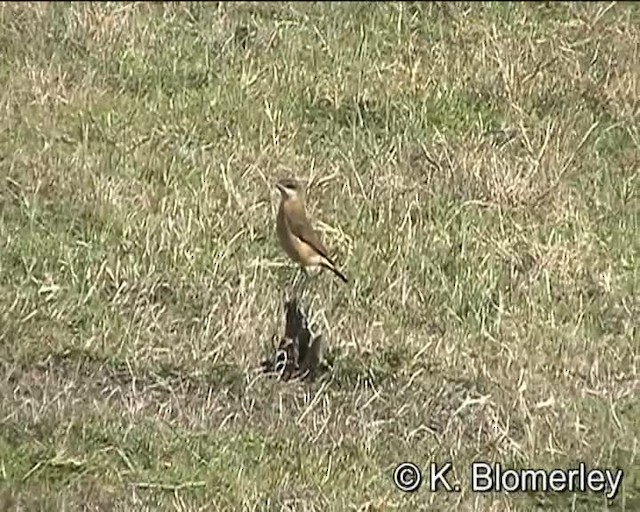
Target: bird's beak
280, 187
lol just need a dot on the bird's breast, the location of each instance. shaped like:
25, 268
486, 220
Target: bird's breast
287, 239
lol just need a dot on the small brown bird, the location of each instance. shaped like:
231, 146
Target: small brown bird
297, 237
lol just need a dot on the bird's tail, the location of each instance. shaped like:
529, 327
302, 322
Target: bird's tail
335, 271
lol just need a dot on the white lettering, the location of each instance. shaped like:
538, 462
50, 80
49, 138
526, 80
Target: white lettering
614, 482
510, 480
481, 480
492, 477
534, 479
596, 480
439, 476
557, 481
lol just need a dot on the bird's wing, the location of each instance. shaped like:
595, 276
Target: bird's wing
301, 228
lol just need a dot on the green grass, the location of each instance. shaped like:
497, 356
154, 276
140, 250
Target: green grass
474, 168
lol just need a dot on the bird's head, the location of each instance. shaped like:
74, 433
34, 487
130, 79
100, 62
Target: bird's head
289, 188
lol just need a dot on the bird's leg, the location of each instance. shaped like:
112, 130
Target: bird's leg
296, 281
301, 281
306, 280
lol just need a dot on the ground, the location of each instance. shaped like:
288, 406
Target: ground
474, 170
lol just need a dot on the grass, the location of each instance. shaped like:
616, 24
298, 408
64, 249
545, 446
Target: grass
474, 168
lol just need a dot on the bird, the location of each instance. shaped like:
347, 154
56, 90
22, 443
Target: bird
296, 235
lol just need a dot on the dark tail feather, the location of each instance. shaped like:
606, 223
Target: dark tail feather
336, 272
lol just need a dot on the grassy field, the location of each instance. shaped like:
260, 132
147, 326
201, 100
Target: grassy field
475, 171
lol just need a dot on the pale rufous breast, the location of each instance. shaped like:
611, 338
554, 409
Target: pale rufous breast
297, 246
284, 234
